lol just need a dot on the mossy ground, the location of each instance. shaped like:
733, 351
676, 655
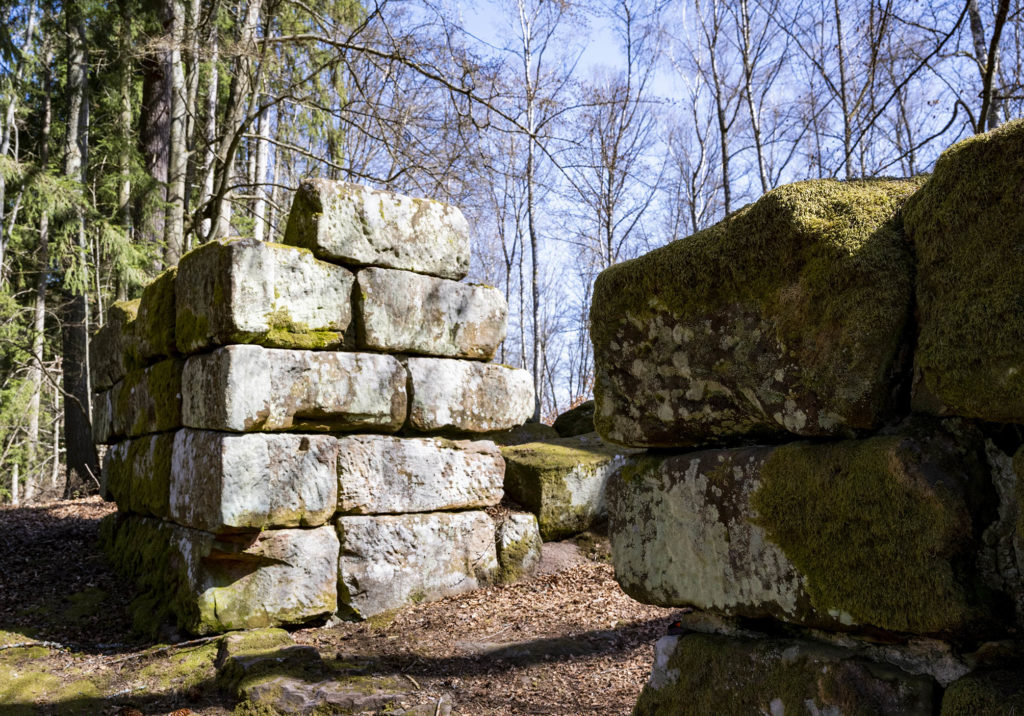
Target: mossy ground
873, 537
967, 228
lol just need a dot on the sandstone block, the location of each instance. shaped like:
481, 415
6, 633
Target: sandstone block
880, 533
154, 327
136, 474
248, 291
221, 482
359, 226
390, 561
379, 474
704, 674
103, 416
404, 312
563, 481
576, 421
967, 228
212, 584
789, 316
466, 396
148, 400
245, 388
112, 345
519, 546
525, 433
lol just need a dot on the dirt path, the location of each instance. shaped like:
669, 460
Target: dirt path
569, 642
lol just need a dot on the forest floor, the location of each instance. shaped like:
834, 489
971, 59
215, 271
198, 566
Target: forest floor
567, 641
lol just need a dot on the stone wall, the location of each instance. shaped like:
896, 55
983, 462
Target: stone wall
833, 379
298, 430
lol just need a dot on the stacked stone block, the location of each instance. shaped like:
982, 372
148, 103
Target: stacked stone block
831, 377
297, 430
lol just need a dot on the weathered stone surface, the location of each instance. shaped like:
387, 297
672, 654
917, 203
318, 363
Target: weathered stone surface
221, 482
245, 388
103, 416
213, 583
405, 312
379, 474
967, 227
577, 421
876, 533
154, 327
136, 474
390, 561
525, 433
111, 346
995, 692
563, 481
296, 695
248, 291
148, 400
356, 225
466, 396
519, 546
704, 674
788, 316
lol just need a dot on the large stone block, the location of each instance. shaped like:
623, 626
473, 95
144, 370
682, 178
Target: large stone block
246, 388
360, 226
111, 347
789, 316
379, 474
221, 482
466, 396
247, 291
705, 674
967, 228
404, 312
212, 584
881, 533
154, 327
391, 561
136, 474
148, 400
563, 481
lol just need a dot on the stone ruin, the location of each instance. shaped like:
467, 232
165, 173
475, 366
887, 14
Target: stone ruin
299, 430
830, 387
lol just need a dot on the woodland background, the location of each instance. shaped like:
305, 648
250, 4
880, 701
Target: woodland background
573, 134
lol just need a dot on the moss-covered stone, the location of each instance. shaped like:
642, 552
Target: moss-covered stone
210, 584
246, 291
137, 473
148, 400
519, 546
702, 674
881, 533
986, 693
562, 481
112, 348
154, 327
525, 433
576, 421
787, 316
967, 228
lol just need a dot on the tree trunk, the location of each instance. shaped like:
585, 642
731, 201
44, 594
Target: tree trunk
174, 228
82, 464
155, 138
262, 156
210, 136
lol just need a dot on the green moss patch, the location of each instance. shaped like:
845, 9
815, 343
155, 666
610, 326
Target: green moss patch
876, 528
154, 327
967, 227
993, 693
